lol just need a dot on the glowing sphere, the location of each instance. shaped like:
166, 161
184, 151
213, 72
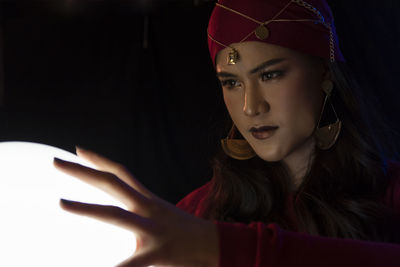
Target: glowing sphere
35, 231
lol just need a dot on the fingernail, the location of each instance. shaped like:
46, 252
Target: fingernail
80, 148
66, 202
57, 160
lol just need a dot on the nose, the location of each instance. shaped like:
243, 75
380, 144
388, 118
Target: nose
254, 102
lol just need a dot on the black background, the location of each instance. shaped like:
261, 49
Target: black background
133, 79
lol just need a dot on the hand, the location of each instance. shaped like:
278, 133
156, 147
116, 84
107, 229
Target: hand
166, 235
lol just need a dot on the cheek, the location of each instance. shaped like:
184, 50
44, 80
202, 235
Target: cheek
227, 100
299, 108
233, 104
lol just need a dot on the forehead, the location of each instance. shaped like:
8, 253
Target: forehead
252, 54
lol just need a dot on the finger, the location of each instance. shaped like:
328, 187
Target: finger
107, 165
109, 214
107, 182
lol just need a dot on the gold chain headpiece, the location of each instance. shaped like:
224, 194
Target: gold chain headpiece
262, 31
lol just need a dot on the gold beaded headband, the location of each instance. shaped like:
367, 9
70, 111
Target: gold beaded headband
262, 32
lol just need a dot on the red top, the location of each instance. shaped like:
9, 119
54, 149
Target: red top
259, 244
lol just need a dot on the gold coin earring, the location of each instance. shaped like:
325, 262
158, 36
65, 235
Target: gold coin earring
327, 136
238, 149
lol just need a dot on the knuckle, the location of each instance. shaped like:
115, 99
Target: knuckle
116, 212
120, 170
155, 209
108, 179
119, 167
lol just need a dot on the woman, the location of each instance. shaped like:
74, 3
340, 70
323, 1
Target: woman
302, 180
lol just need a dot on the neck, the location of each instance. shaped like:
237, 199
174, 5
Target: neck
298, 161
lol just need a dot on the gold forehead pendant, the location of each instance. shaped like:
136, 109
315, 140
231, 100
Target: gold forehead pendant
261, 32
233, 57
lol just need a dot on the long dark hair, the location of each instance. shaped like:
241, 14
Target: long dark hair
342, 192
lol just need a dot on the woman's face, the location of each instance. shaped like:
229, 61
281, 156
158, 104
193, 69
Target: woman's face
273, 86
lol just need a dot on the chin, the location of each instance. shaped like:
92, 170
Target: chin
270, 156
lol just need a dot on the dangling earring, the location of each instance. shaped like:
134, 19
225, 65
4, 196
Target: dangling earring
238, 149
326, 136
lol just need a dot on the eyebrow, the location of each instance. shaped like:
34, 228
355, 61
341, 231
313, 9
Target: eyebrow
264, 65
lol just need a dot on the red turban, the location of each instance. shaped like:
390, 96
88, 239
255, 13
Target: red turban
304, 26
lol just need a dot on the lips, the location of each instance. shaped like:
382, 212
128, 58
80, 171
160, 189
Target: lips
263, 128
263, 132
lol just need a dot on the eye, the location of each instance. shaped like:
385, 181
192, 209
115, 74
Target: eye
266, 76
230, 83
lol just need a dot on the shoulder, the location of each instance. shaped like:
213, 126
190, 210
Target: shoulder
194, 202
